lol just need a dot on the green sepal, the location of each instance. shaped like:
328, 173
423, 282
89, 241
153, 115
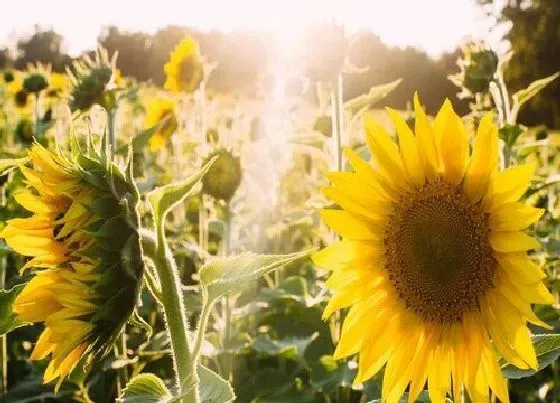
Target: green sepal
138, 321
8, 319
113, 233
9, 164
105, 206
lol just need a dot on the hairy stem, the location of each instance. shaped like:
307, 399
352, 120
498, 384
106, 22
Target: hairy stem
176, 319
4, 338
111, 132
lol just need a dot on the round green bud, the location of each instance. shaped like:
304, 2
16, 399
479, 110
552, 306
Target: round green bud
224, 176
35, 83
90, 89
8, 76
479, 68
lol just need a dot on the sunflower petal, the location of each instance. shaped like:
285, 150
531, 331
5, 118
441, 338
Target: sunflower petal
514, 216
508, 185
484, 159
512, 241
408, 149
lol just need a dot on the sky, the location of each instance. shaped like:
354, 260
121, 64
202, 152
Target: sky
435, 26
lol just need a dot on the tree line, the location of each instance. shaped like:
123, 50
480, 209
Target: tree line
245, 59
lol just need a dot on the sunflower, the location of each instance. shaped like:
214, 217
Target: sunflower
58, 84
183, 71
82, 238
92, 80
161, 116
432, 261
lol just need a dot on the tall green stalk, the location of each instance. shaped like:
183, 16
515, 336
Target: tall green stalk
111, 132
337, 119
4, 338
201, 112
176, 319
226, 300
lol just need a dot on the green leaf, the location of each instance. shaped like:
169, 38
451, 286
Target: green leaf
522, 96
140, 141
510, 133
327, 374
164, 198
374, 95
547, 347
222, 276
291, 348
31, 389
145, 388
212, 388
7, 165
136, 320
8, 319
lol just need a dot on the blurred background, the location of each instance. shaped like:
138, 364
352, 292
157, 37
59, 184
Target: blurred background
255, 43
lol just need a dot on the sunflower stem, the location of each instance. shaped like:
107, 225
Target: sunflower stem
111, 133
176, 319
201, 112
337, 117
500, 95
4, 338
201, 329
36, 116
226, 301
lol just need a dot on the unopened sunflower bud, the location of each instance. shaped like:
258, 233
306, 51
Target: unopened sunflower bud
8, 76
91, 80
82, 239
35, 83
478, 68
224, 176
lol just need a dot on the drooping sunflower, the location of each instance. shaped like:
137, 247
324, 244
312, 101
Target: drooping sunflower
161, 115
93, 81
184, 70
82, 240
432, 261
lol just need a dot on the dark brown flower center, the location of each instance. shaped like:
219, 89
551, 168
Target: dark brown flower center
437, 252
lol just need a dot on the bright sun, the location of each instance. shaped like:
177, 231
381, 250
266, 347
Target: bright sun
397, 22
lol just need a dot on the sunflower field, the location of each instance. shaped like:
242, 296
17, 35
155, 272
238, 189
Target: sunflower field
179, 244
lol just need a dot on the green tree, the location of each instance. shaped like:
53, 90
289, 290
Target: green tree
44, 47
534, 37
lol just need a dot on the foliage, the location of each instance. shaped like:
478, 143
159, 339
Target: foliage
227, 273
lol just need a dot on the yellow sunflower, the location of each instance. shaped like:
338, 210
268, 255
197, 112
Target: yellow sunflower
433, 261
161, 115
183, 71
58, 84
82, 236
